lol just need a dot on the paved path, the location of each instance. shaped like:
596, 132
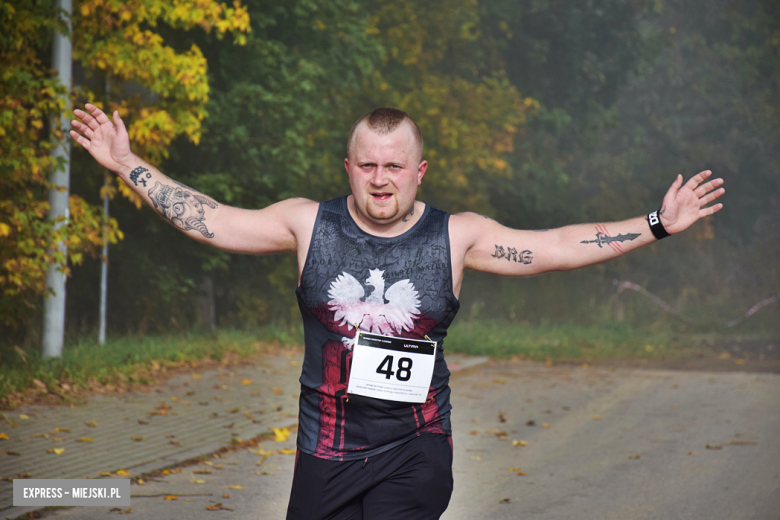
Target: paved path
601, 443
190, 415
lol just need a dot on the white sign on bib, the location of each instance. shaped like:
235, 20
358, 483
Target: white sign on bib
395, 369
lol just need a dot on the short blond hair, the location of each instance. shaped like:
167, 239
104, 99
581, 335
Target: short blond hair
383, 121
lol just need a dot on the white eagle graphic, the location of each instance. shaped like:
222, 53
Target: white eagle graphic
373, 314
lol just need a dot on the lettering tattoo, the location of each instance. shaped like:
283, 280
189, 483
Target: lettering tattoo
603, 237
137, 175
512, 255
406, 218
182, 208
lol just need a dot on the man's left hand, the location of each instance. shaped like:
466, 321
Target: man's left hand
684, 205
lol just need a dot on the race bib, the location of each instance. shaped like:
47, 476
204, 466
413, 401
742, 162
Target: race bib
395, 369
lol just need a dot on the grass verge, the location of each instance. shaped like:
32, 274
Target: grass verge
567, 341
124, 362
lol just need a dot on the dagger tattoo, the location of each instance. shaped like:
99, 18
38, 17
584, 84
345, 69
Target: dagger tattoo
602, 238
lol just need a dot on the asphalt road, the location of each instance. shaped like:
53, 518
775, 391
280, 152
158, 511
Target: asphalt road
593, 443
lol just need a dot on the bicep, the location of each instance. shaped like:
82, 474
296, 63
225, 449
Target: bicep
493, 248
275, 229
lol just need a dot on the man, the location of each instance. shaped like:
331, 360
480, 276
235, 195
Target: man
373, 267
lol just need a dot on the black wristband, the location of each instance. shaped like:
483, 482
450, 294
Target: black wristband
658, 229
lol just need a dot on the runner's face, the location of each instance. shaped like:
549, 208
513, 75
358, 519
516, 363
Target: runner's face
384, 172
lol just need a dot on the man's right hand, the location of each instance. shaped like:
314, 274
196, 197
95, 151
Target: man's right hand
107, 142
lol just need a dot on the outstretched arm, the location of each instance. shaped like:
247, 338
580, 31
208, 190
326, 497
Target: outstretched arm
485, 245
275, 229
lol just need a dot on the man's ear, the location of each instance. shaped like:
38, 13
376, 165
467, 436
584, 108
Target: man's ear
421, 169
346, 164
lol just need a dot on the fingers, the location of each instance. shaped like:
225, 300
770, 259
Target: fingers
703, 201
84, 129
697, 179
98, 114
120, 125
706, 212
674, 188
83, 141
707, 187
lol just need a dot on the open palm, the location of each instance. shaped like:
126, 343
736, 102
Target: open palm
684, 205
105, 140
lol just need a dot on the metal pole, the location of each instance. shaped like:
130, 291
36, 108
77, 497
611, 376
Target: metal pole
104, 260
59, 196
104, 270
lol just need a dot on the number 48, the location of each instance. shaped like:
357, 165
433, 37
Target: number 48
402, 373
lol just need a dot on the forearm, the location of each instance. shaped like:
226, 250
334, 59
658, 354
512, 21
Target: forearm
581, 245
190, 211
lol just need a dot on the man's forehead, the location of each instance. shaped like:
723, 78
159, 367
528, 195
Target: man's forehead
371, 144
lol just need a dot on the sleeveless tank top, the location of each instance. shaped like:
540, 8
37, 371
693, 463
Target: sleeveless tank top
348, 275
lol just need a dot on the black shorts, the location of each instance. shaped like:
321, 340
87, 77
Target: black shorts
412, 481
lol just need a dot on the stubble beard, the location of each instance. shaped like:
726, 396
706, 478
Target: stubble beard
382, 213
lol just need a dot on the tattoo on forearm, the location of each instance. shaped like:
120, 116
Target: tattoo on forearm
602, 237
662, 210
137, 175
208, 201
406, 218
181, 208
512, 255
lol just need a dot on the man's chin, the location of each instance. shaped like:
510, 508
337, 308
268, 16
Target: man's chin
382, 213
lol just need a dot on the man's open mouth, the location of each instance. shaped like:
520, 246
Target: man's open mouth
381, 196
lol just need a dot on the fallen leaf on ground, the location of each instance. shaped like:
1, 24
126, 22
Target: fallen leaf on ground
228, 426
473, 432
171, 497
136, 439
84, 439
503, 501
13, 453
530, 423
596, 417
104, 474
264, 473
261, 451
215, 507
234, 410
499, 380
196, 376
140, 482
281, 434
502, 416
122, 473
260, 462
513, 469
43, 435
61, 430
693, 453
740, 443
634, 457
141, 421
120, 511
202, 471
739, 361
277, 391
546, 425
476, 457
287, 451
715, 447
519, 443
92, 424
3, 436
248, 415
23, 417
56, 451
246, 381
197, 481
174, 442
521, 473
724, 355
225, 495
174, 398
236, 486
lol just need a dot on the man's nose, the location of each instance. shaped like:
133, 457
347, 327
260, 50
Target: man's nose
380, 177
